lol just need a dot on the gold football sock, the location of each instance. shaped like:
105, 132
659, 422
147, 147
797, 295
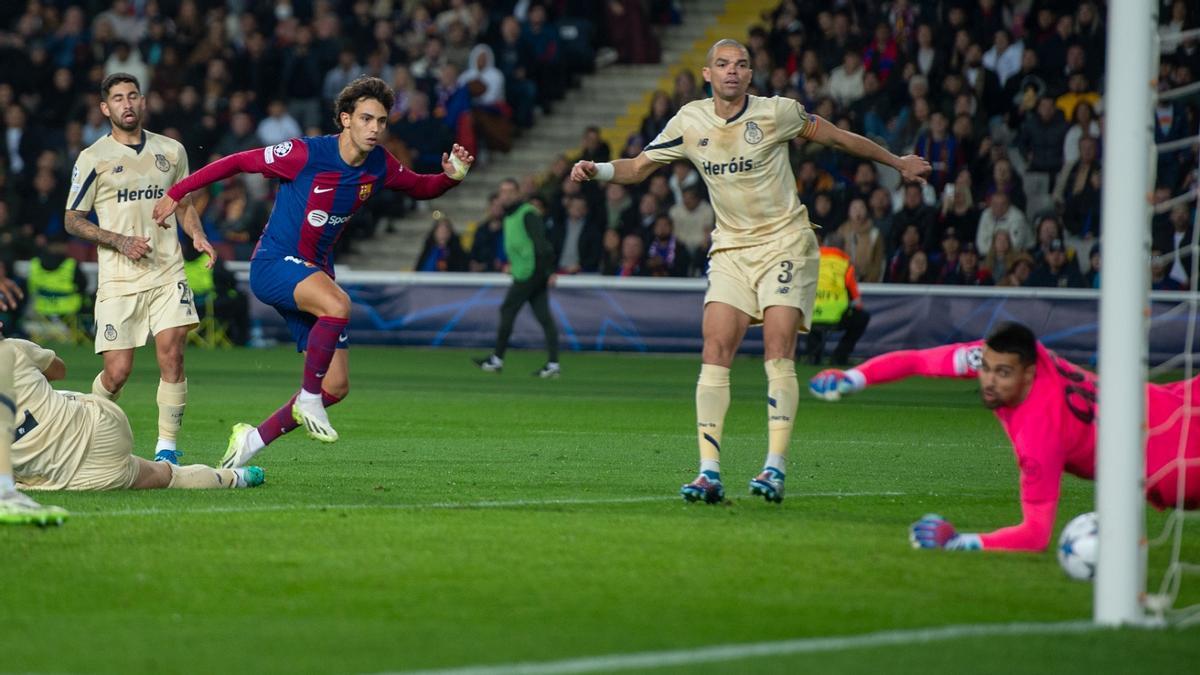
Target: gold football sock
172, 399
200, 477
712, 400
783, 393
99, 390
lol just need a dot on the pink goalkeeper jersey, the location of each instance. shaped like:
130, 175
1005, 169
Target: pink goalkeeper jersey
1053, 430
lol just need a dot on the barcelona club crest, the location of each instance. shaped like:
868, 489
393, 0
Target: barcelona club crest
364, 191
161, 163
754, 134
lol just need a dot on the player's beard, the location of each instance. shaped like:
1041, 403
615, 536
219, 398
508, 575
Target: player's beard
991, 403
127, 127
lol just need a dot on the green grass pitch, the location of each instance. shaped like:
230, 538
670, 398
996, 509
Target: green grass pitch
474, 519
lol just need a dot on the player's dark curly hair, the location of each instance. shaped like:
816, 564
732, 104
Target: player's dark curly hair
362, 88
115, 79
1014, 338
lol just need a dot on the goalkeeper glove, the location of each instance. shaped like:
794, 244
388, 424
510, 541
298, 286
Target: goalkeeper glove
934, 531
829, 385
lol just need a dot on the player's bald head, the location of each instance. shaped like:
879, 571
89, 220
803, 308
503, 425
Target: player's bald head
721, 44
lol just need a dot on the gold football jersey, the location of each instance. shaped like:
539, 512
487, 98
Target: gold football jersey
53, 430
744, 163
122, 183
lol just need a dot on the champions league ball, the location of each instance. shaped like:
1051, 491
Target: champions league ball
1078, 546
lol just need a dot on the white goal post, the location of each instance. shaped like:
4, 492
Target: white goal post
1129, 99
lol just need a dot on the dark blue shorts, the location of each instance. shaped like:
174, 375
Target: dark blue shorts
274, 281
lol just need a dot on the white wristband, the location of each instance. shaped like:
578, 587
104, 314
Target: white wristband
460, 167
604, 171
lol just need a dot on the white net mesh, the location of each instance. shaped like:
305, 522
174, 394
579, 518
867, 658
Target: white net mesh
1161, 602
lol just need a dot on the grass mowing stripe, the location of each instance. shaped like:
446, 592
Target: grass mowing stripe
515, 503
824, 441
718, 653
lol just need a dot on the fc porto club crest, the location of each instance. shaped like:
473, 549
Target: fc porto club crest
161, 163
110, 333
364, 191
754, 133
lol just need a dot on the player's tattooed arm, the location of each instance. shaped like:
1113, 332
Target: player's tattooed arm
78, 225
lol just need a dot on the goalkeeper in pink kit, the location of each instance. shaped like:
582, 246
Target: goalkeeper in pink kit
1047, 407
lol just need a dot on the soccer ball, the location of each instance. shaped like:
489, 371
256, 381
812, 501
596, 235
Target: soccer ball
1078, 546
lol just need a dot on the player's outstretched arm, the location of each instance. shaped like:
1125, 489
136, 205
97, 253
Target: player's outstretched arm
455, 165
1032, 534
284, 160
621, 171
911, 167
1041, 464
78, 225
956, 360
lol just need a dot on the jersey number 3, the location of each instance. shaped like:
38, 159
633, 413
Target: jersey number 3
785, 277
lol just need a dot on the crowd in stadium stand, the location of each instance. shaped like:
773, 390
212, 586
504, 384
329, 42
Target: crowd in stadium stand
1004, 97
222, 77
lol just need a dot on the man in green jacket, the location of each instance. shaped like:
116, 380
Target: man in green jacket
531, 263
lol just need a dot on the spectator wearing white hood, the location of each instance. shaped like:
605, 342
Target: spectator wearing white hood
490, 112
482, 67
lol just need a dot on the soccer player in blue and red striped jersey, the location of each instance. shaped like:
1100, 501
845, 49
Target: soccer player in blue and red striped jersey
324, 180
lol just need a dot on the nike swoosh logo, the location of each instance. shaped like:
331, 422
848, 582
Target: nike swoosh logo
343, 338
318, 190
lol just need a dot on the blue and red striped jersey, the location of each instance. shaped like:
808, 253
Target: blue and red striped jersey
318, 192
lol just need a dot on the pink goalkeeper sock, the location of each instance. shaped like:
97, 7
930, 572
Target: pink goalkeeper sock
322, 343
280, 422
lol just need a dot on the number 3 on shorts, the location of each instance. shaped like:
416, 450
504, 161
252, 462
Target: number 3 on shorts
785, 277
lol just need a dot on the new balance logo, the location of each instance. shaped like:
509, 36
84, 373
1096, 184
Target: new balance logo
318, 190
703, 142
